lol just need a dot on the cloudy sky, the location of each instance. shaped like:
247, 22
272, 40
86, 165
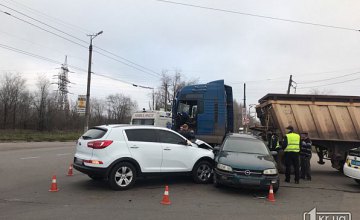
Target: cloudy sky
204, 44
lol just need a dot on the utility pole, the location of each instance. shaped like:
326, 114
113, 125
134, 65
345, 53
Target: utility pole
87, 108
244, 114
153, 98
166, 95
290, 84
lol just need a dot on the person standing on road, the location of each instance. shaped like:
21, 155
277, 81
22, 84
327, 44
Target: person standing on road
305, 156
291, 145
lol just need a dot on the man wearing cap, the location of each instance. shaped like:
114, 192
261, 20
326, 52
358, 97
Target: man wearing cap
291, 145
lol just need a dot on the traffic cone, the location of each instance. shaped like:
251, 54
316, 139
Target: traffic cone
53, 187
271, 196
70, 172
166, 200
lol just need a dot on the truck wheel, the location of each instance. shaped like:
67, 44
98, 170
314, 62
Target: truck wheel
122, 176
357, 180
202, 172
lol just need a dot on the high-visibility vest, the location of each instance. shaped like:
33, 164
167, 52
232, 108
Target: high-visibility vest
293, 143
277, 141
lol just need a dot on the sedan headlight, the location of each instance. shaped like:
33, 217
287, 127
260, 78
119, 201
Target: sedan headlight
270, 172
224, 167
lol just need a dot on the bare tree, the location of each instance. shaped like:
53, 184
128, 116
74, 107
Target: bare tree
97, 110
10, 92
41, 99
317, 91
121, 108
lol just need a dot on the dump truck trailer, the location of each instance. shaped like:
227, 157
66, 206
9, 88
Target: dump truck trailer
332, 122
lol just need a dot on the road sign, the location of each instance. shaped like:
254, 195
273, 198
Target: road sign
81, 104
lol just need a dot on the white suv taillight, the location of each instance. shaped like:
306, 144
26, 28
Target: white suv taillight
99, 144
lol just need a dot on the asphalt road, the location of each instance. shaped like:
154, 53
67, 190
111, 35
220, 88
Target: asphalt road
25, 177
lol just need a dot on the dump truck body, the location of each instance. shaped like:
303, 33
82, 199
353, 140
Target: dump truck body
332, 122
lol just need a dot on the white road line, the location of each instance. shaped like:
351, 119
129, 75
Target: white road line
27, 158
63, 154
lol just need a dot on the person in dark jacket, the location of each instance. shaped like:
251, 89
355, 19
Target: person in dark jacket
305, 156
186, 132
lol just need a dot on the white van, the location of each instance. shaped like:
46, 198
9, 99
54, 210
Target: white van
156, 118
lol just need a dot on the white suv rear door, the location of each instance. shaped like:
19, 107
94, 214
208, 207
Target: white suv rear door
82, 150
144, 148
177, 156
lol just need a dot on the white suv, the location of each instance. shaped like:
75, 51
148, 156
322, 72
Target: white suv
121, 153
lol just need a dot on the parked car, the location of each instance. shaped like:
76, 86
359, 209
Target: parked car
244, 161
352, 164
122, 153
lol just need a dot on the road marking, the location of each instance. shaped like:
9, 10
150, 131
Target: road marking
63, 154
27, 158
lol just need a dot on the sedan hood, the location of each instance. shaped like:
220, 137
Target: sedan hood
246, 161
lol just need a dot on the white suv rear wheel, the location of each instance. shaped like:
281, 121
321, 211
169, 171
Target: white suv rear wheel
122, 176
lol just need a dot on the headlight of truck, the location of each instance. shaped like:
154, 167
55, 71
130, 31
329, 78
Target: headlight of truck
224, 167
270, 172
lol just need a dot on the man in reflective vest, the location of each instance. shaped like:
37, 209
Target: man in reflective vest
291, 145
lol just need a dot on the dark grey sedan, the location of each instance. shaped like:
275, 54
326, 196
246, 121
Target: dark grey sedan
245, 161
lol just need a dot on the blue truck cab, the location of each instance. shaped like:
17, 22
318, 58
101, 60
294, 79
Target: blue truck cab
207, 109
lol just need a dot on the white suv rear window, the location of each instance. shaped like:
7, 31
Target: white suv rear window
94, 133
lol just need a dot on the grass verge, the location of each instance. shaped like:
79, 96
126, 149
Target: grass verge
37, 136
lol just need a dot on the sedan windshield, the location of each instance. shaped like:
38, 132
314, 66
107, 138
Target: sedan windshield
243, 145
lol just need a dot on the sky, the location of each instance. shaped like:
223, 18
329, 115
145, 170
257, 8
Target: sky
236, 40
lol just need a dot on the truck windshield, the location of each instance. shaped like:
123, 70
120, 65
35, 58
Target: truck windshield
143, 121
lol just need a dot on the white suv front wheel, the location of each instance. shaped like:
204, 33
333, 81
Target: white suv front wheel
202, 172
122, 176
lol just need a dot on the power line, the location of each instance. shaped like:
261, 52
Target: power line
350, 80
57, 62
61, 22
258, 16
43, 23
81, 40
322, 80
20, 19
150, 70
40, 45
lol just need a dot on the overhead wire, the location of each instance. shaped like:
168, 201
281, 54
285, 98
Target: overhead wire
56, 20
328, 79
329, 84
41, 45
59, 63
146, 70
257, 15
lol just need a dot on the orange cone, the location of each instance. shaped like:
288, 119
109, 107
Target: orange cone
53, 187
70, 172
166, 200
271, 196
